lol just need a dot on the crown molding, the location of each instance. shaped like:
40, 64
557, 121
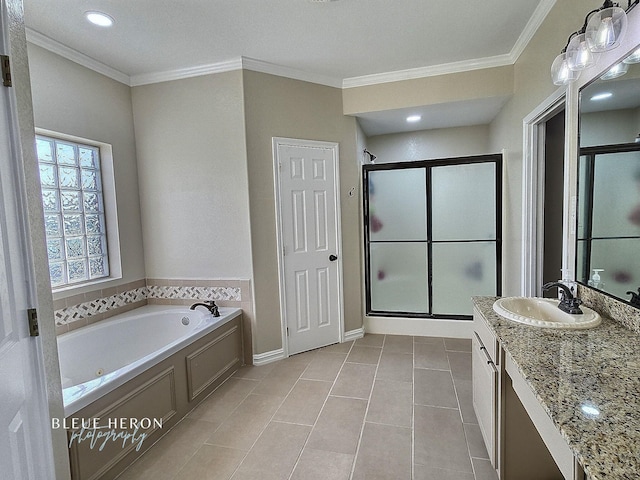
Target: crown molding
432, 71
178, 74
534, 23
278, 70
510, 58
69, 53
525, 37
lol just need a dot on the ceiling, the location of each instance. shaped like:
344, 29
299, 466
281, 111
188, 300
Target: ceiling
338, 43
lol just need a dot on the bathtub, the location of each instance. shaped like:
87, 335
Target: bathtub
156, 362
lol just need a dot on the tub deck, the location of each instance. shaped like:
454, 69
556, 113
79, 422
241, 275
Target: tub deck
156, 398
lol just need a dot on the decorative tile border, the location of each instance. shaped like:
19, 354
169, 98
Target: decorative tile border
82, 313
195, 293
99, 306
607, 306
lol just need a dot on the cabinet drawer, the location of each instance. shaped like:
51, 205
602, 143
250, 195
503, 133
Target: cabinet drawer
486, 336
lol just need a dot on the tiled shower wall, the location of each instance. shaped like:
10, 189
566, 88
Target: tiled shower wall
81, 310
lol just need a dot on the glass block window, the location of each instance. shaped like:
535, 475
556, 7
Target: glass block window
73, 211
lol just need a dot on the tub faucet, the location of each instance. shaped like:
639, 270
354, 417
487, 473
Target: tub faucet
568, 303
209, 305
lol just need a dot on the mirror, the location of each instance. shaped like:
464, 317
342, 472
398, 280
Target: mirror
608, 230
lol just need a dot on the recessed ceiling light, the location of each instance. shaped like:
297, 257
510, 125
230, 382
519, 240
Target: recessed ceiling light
602, 96
414, 118
99, 18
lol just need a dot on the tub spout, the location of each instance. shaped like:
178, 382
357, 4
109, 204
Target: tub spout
209, 305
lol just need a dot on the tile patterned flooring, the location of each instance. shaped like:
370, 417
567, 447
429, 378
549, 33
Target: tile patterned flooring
385, 407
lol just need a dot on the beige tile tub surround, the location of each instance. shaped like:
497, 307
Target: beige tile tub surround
81, 310
337, 413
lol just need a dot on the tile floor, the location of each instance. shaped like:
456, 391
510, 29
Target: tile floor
385, 407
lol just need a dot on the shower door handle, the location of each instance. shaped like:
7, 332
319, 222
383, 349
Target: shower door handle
332, 258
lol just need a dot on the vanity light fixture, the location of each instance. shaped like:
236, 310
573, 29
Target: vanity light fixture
99, 18
606, 27
634, 57
603, 29
579, 55
560, 71
616, 71
414, 118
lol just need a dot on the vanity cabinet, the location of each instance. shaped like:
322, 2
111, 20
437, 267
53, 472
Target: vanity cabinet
521, 440
485, 385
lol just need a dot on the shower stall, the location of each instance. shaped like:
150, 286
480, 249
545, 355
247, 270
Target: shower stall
433, 236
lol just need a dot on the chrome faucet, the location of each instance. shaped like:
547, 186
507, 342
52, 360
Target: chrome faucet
568, 303
209, 305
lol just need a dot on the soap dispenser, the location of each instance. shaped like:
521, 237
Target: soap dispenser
568, 282
595, 280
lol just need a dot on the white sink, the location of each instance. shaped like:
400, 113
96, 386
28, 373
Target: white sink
544, 312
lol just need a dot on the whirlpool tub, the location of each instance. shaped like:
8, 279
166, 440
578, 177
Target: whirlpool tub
150, 367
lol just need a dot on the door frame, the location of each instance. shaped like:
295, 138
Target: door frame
48, 401
334, 147
533, 191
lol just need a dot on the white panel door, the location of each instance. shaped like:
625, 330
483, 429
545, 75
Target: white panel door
310, 260
25, 446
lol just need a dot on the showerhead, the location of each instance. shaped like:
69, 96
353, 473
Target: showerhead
372, 157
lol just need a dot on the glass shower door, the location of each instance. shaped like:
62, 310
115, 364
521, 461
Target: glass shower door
463, 235
432, 236
398, 240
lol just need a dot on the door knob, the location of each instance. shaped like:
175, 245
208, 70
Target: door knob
332, 258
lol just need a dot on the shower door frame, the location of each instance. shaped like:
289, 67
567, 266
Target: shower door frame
592, 153
497, 159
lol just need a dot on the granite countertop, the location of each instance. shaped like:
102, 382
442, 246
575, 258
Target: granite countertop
598, 369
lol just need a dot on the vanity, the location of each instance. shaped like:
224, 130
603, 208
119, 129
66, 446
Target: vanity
564, 403
556, 403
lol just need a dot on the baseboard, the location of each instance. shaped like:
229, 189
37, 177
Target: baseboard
419, 327
268, 357
354, 334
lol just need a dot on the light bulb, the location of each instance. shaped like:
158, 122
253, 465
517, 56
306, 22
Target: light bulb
605, 36
579, 55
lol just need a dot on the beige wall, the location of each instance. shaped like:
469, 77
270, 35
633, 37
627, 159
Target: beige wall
532, 86
476, 84
529, 84
281, 107
73, 100
609, 127
205, 157
430, 144
193, 177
